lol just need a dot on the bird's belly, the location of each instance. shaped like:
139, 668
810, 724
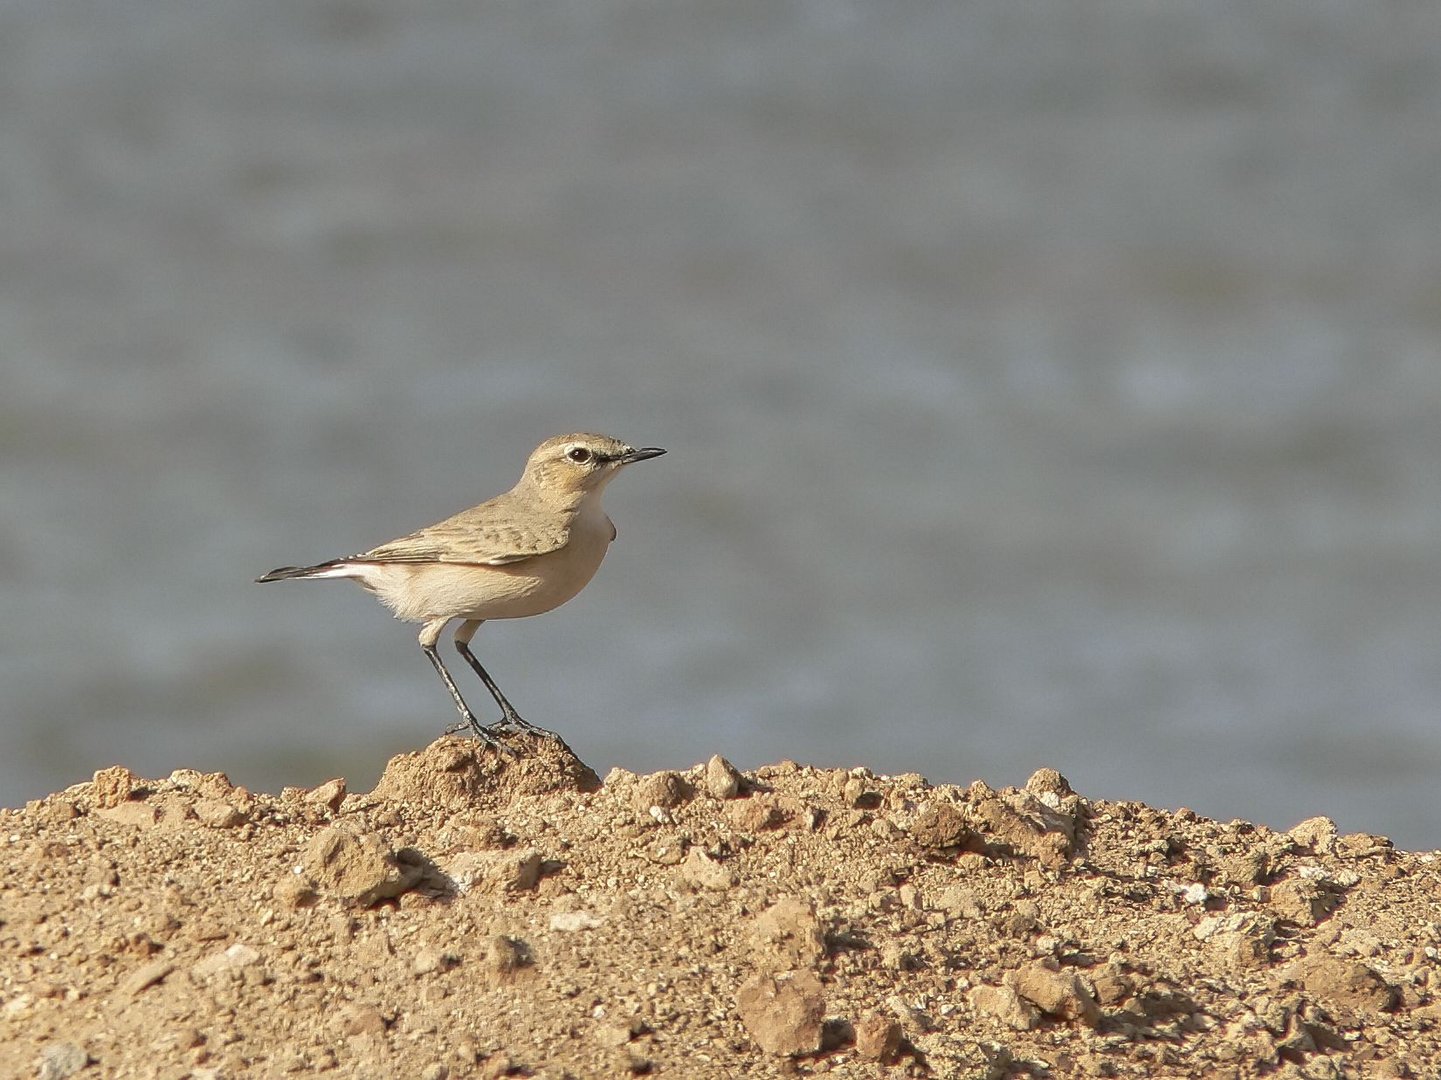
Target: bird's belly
426, 591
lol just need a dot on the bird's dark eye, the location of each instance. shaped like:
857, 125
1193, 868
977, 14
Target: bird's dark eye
579, 454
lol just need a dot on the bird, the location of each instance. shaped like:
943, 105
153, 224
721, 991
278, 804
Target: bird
519, 554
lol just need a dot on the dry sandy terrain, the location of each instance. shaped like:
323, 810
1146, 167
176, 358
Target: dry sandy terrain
485, 916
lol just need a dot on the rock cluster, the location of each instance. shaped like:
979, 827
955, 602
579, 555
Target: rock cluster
483, 916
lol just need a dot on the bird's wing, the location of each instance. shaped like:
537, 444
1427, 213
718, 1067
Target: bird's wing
487, 534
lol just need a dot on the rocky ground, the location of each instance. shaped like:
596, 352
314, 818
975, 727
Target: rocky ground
485, 916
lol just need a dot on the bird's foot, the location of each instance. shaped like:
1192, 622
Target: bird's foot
488, 736
513, 721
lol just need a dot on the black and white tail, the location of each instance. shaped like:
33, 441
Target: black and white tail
332, 569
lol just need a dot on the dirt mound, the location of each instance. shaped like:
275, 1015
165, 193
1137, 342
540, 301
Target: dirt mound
461, 774
484, 915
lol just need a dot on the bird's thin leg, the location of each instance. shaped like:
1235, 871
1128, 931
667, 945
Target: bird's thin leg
509, 718
467, 718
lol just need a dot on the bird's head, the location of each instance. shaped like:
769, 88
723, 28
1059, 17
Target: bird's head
571, 466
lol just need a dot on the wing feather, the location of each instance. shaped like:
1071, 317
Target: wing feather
488, 534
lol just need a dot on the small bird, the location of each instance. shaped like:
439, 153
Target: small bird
520, 554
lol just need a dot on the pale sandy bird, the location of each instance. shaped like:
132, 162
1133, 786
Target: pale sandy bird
521, 553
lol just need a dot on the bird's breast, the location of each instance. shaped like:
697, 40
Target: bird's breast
549, 580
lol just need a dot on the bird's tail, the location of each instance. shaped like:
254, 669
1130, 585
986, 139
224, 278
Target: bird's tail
333, 568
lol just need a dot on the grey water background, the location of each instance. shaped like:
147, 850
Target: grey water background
1046, 384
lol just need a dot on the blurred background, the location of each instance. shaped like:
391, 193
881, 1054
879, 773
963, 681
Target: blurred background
1046, 384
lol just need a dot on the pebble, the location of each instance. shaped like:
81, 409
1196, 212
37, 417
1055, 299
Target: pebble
142, 978
755, 814
916, 1017
509, 870
883, 828
61, 810
783, 1013
362, 1020
1243, 937
941, 825
356, 866
238, 955
62, 1059
1195, 893
667, 789
896, 957
503, 955
857, 793
1245, 868
429, 959
612, 1035
1026, 824
1302, 901
789, 935
568, 922
111, 787
960, 901
1049, 782
294, 891
329, 794
1317, 834
1005, 1005
1112, 987
183, 1038
700, 871
1348, 983
218, 814
878, 1037
722, 779
1056, 991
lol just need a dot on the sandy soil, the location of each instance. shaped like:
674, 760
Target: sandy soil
482, 916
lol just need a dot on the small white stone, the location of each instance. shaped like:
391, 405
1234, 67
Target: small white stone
569, 921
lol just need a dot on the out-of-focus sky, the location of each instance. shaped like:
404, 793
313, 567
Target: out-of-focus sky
1045, 384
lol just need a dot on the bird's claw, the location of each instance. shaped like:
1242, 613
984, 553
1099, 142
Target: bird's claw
515, 722
489, 736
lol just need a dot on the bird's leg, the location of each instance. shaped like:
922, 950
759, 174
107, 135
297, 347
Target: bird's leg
509, 718
467, 718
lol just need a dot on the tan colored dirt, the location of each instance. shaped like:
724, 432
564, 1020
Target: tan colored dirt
485, 916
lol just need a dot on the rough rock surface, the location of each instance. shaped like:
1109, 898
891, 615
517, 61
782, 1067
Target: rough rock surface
784, 1012
478, 915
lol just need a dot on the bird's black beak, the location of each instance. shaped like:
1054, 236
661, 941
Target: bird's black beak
639, 455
